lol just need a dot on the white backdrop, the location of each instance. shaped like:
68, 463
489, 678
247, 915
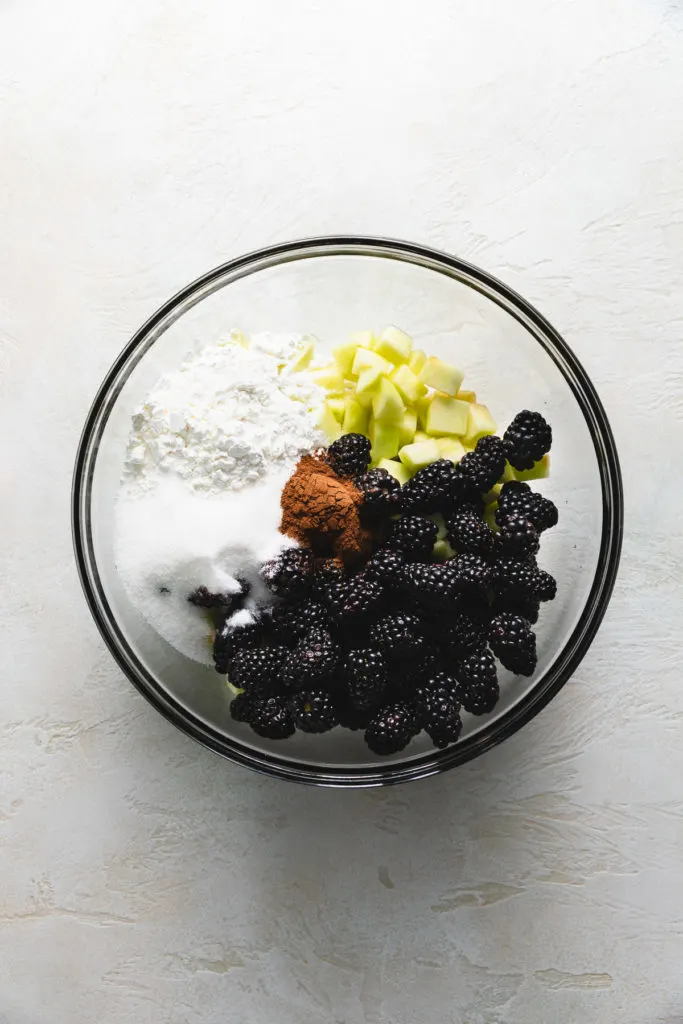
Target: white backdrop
142, 879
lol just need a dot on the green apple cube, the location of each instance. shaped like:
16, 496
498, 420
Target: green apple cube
397, 470
493, 494
355, 418
442, 550
509, 473
302, 357
422, 408
447, 416
421, 435
363, 339
329, 424
539, 471
365, 357
330, 377
343, 356
441, 376
450, 448
417, 360
407, 383
387, 404
480, 423
394, 344
368, 381
384, 439
337, 407
409, 426
419, 454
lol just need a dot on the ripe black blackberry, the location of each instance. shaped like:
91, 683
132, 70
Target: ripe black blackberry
258, 671
457, 632
230, 639
515, 576
381, 491
414, 536
478, 682
291, 619
314, 711
241, 708
202, 597
435, 586
312, 662
546, 586
392, 729
527, 439
366, 677
526, 606
272, 718
431, 489
472, 573
290, 573
397, 635
326, 571
349, 455
517, 537
513, 643
469, 534
517, 498
386, 567
439, 709
484, 466
352, 597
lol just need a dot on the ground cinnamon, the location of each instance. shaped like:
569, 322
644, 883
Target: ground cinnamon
322, 511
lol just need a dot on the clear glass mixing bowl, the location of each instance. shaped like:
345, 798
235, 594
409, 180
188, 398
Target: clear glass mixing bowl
513, 358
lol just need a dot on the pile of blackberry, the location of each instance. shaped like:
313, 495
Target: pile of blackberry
406, 642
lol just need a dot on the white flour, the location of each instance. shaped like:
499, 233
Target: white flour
211, 448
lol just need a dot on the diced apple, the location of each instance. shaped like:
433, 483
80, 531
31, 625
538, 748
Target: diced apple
466, 396
355, 418
418, 455
422, 408
493, 494
337, 407
394, 344
442, 550
363, 339
330, 377
384, 439
408, 427
450, 448
508, 473
407, 383
387, 404
442, 376
421, 435
368, 381
479, 423
329, 424
365, 357
490, 515
397, 470
539, 471
447, 416
343, 356
417, 360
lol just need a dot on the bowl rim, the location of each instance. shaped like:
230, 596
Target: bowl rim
567, 659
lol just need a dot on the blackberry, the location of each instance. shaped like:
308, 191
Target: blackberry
380, 490
517, 537
458, 632
439, 709
202, 597
472, 573
527, 439
469, 534
527, 607
431, 489
241, 708
392, 729
414, 536
485, 465
432, 585
313, 660
385, 566
258, 671
349, 455
397, 635
314, 711
478, 682
366, 677
515, 576
352, 597
272, 718
513, 643
327, 570
291, 619
546, 586
290, 573
230, 639
517, 498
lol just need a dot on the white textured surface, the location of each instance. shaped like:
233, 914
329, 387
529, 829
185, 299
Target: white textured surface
142, 878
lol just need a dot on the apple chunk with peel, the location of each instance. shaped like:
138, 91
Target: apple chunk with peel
420, 454
394, 344
441, 376
480, 422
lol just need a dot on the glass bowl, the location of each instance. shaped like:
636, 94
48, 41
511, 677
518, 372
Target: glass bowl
513, 358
